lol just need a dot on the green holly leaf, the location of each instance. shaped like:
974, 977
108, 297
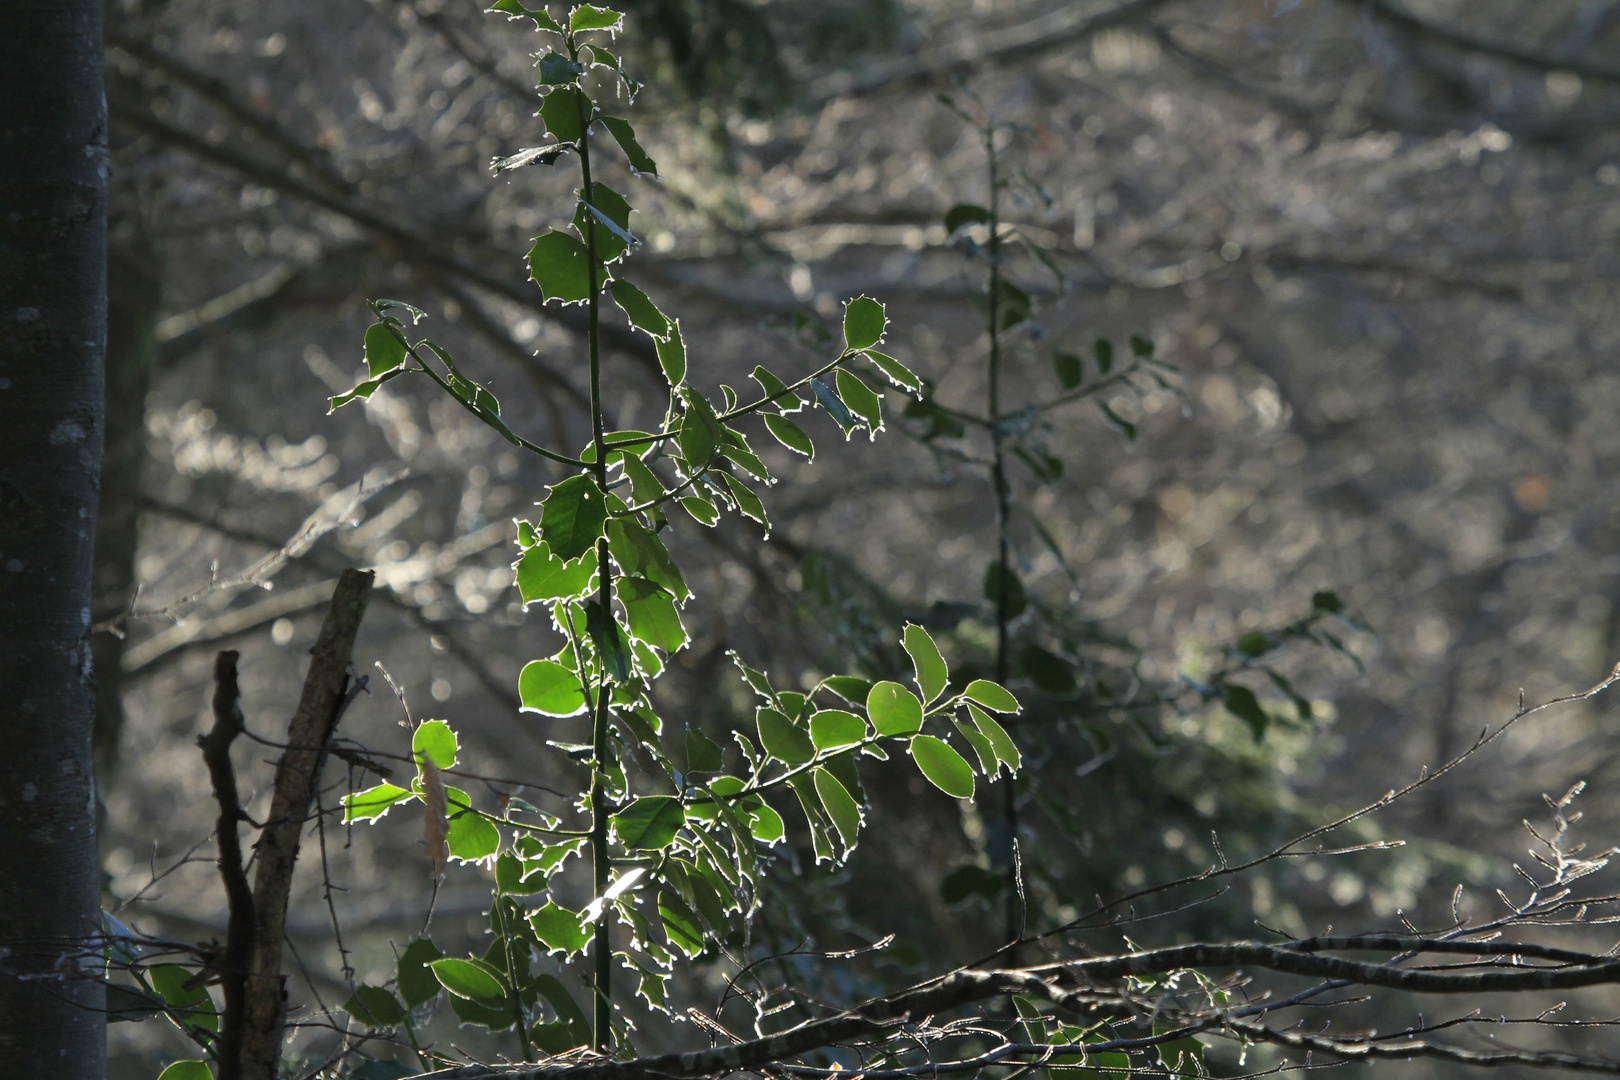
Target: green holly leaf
782, 739
702, 510
543, 576
469, 979
790, 435
550, 689
417, 983
932, 674
644, 314
558, 263
700, 434
861, 399
649, 822
672, 354
991, 696
841, 807
625, 136
375, 1007
849, 687
515, 9
835, 408
897, 372
591, 17
609, 210
944, 767
557, 70
373, 802
573, 517
434, 740
894, 710
864, 323
563, 932
703, 754
748, 504
384, 350
651, 612
832, 729
565, 111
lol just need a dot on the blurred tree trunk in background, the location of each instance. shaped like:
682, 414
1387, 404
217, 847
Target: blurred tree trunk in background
53, 140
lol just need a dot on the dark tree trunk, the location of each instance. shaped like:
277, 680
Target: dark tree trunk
53, 185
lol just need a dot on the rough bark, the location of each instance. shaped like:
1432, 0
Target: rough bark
53, 184
297, 774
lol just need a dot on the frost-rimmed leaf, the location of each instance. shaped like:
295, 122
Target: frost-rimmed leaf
864, 322
515, 9
651, 612
590, 17
702, 510
468, 979
894, 710
550, 689
415, 979
992, 696
782, 739
541, 575
529, 155
563, 932
700, 434
565, 111
373, 802
649, 822
861, 399
943, 766
790, 435
374, 1006
384, 350
897, 372
932, 674
559, 264
471, 837
606, 214
672, 354
835, 407
625, 136
1001, 743
643, 313
434, 739
748, 504
572, 517
841, 807
831, 729
557, 70
776, 391
989, 764
851, 688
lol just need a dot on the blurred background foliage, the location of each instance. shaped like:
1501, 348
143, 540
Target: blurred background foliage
1375, 239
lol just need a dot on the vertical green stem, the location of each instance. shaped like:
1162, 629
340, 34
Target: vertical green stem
998, 479
602, 1027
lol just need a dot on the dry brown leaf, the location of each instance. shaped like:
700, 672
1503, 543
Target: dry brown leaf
435, 815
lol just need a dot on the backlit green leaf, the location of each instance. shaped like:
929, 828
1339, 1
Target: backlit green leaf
651, 612
187, 1070
565, 111
644, 314
897, 372
748, 504
932, 674
840, 806
372, 802
861, 399
606, 215
515, 9
894, 710
991, 696
561, 931
703, 754
591, 17
417, 983
543, 576
789, 435
944, 767
433, 739
640, 553
849, 687
572, 517
776, 391
783, 740
672, 354
834, 728
559, 264
548, 688
864, 322
374, 1006
625, 136
464, 978
649, 822
384, 350
701, 509
557, 70
700, 434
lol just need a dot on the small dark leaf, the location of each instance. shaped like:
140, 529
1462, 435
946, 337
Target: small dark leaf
965, 214
1046, 670
1141, 346
1103, 350
1327, 602
1124, 425
970, 880
996, 579
1241, 703
1068, 367
557, 70
1254, 643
